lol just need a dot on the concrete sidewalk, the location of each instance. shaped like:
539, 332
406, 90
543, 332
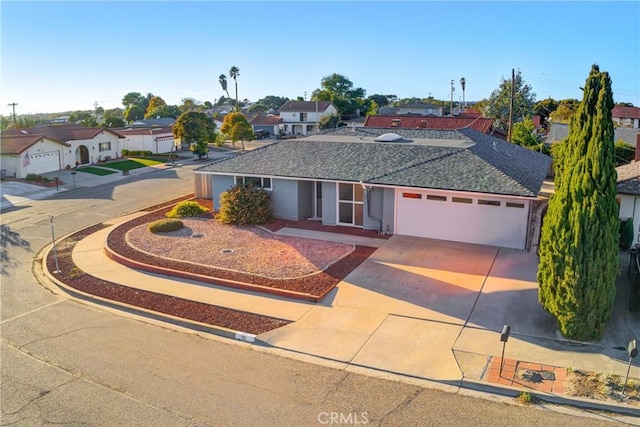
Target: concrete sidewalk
413, 309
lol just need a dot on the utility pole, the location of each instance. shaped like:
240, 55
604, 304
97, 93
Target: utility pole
513, 92
13, 104
305, 95
453, 89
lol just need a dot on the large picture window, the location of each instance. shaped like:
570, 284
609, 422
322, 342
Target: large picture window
350, 204
104, 146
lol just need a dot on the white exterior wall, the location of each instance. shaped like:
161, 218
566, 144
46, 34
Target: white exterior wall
154, 143
422, 111
93, 145
45, 156
293, 118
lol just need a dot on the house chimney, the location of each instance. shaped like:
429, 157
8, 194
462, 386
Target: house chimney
637, 157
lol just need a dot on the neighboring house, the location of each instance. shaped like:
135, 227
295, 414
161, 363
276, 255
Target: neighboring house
626, 116
560, 131
302, 117
49, 148
629, 195
458, 185
421, 108
25, 154
152, 138
421, 122
266, 122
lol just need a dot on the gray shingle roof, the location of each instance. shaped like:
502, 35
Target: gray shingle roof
629, 178
483, 163
559, 131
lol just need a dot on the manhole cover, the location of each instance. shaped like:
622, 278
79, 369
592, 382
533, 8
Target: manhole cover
548, 375
196, 235
536, 376
226, 251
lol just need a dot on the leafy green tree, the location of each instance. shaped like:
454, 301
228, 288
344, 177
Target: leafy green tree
84, 118
544, 108
579, 258
208, 105
133, 113
234, 72
373, 109
566, 109
155, 104
114, 122
329, 121
196, 129
271, 101
382, 100
236, 126
190, 104
524, 134
498, 104
339, 90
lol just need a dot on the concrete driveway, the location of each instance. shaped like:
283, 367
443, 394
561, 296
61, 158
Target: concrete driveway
435, 309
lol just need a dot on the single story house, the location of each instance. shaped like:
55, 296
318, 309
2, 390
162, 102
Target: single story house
50, 148
266, 122
421, 108
560, 131
152, 138
626, 116
459, 185
480, 124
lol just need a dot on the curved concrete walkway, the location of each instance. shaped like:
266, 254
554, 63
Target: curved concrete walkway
420, 308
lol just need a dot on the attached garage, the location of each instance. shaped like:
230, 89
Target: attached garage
462, 218
45, 162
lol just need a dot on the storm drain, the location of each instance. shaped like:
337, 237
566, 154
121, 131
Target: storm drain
196, 235
226, 251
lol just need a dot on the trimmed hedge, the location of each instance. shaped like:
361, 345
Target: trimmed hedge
187, 208
138, 153
245, 204
165, 225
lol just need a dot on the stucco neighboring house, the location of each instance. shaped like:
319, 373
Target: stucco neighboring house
626, 116
152, 138
302, 117
628, 187
458, 185
421, 108
80, 145
25, 154
162, 121
266, 122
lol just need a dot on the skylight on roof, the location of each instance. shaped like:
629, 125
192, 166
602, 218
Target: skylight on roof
24, 132
389, 137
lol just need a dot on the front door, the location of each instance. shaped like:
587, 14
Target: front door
317, 199
350, 204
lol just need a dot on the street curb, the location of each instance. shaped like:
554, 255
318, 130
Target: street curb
550, 397
135, 310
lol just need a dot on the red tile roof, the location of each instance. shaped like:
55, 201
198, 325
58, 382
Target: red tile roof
16, 144
265, 120
480, 124
66, 132
626, 112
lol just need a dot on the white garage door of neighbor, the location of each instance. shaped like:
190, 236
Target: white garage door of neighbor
44, 162
486, 221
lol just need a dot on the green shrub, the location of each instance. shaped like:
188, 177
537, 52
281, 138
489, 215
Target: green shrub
245, 205
33, 177
125, 152
626, 234
187, 208
165, 225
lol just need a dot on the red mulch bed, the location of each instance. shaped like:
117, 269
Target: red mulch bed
200, 312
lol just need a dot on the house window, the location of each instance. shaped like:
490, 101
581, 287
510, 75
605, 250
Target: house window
303, 117
488, 202
461, 200
310, 128
395, 122
258, 181
104, 146
350, 204
412, 195
515, 205
436, 198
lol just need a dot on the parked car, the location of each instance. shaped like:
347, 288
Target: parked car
262, 134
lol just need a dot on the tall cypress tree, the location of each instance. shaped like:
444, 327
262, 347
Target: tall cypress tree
578, 247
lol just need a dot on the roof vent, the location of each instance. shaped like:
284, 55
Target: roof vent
24, 132
389, 137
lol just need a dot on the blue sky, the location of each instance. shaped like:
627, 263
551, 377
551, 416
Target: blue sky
59, 56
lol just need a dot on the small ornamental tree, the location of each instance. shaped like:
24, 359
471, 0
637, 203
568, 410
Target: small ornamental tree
196, 129
245, 204
185, 209
579, 258
236, 126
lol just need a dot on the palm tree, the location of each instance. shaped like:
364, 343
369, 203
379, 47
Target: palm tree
463, 83
234, 72
223, 82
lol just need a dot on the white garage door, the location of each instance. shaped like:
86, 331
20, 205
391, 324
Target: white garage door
44, 162
487, 221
